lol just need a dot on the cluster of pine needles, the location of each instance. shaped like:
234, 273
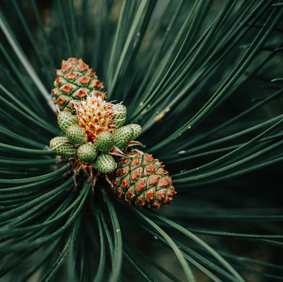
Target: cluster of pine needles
204, 80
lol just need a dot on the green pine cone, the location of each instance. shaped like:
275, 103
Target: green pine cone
57, 144
105, 164
104, 141
122, 137
136, 130
121, 115
76, 134
87, 153
65, 119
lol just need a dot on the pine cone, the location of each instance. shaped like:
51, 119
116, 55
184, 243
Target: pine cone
75, 82
143, 180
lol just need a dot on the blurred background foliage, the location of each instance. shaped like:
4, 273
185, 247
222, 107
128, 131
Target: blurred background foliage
204, 79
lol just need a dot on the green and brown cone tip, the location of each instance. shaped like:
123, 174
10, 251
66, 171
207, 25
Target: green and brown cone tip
104, 141
74, 82
137, 129
66, 119
142, 180
122, 137
105, 163
61, 146
76, 134
87, 153
120, 116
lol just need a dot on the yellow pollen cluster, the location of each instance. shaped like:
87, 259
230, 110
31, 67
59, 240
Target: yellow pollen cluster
95, 115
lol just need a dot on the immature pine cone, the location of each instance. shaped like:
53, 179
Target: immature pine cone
141, 179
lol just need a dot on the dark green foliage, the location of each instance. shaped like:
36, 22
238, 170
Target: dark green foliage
204, 80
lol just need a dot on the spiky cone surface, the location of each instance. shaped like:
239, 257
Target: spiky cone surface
96, 115
62, 146
137, 129
104, 141
87, 153
105, 163
142, 180
120, 117
76, 134
66, 119
74, 82
122, 137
